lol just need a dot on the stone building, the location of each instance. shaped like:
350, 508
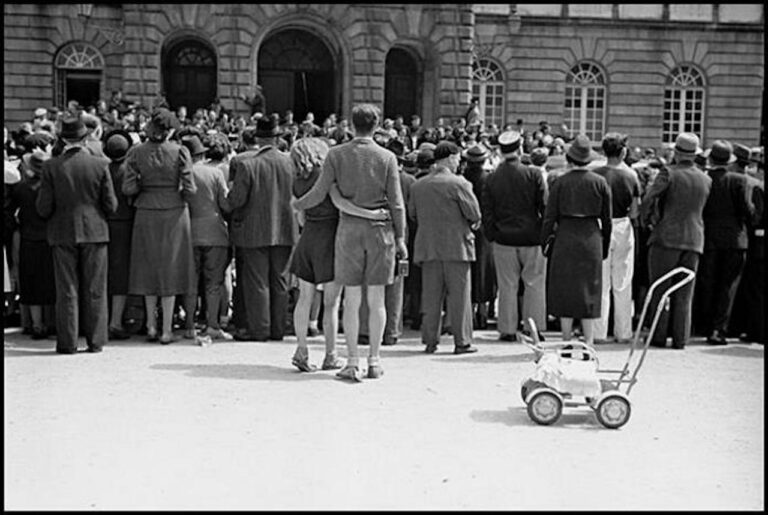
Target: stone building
650, 70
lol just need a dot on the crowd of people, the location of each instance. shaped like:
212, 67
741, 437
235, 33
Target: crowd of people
248, 227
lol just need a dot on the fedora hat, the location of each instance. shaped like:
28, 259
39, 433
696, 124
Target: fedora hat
687, 144
34, 161
475, 154
396, 147
580, 150
509, 142
116, 144
741, 152
194, 145
73, 129
266, 127
721, 153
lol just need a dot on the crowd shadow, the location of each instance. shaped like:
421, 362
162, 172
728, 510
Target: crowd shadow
247, 372
736, 351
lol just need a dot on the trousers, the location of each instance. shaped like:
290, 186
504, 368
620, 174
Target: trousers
264, 280
716, 285
512, 265
451, 281
618, 270
678, 319
81, 268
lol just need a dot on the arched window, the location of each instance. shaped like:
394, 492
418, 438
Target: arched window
189, 73
78, 71
683, 103
585, 101
488, 86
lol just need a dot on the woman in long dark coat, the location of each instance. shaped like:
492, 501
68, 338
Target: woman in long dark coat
116, 145
159, 173
578, 216
483, 272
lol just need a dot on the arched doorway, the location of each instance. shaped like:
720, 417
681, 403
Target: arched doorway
189, 74
402, 87
296, 71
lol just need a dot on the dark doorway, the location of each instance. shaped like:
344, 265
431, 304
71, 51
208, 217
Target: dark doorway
189, 74
296, 71
84, 87
401, 84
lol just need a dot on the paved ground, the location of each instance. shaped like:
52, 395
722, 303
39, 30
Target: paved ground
234, 426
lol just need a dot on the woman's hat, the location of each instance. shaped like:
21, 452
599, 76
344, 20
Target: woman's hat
116, 144
580, 150
163, 120
73, 129
476, 154
266, 127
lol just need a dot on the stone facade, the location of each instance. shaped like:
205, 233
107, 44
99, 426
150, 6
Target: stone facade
535, 46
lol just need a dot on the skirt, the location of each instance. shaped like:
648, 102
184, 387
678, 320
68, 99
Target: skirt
162, 261
37, 282
312, 259
119, 256
575, 269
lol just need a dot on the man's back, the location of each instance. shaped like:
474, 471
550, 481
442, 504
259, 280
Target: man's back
625, 186
76, 192
727, 211
206, 206
513, 204
363, 172
260, 198
684, 189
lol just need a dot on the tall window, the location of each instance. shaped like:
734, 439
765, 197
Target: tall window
683, 103
585, 101
78, 74
488, 86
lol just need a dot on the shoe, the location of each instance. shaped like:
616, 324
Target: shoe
66, 351
217, 334
301, 361
506, 337
332, 362
363, 339
189, 334
151, 335
350, 372
312, 331
167, 340
431, 348
390, 341
660, 345
39, 333
716, 338
245, 337
94, 350
465, 349
375, 371
678, 346
118, 334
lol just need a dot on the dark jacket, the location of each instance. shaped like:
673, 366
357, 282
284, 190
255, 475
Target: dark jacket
76, 195
23, 197
160, 174
514, 199
728, 211
260, 199
674, 206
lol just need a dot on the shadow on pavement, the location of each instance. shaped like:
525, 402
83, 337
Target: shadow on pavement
581, 418
737, 351
248, 372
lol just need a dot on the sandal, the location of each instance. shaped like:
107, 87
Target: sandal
301, 361
332, 362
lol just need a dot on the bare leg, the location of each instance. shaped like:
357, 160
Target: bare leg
301, 314
118, 308
587, 326
566, 324
150, 302
314, 310
167, 305
352, 297
331, 297
377, 318
36, 313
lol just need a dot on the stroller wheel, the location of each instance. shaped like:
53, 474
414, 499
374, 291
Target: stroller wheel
544, 406
613, 410
528, 386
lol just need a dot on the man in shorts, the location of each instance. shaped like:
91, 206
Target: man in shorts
365, 250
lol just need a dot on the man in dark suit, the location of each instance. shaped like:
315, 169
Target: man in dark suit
673, 207
76, 195
263, 230
446, 211
726, 214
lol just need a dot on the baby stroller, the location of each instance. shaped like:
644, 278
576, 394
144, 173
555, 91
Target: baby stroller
568, 374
